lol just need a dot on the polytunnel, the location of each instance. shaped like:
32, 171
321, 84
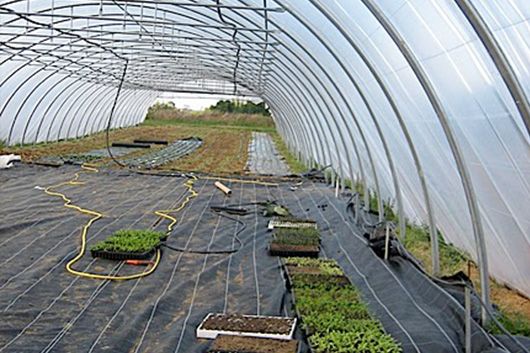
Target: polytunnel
424, 104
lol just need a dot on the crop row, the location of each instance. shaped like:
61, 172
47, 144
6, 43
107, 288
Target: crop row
332, 312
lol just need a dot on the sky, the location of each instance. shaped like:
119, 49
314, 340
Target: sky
194, 101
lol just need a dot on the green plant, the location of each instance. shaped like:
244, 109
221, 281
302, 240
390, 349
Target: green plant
129, 241
296, 236
158, 107
334, 315
514, 322
248, 107
359, 342
326, 266
418, 242
294, 163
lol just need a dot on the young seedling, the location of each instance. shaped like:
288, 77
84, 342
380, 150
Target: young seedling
295, 242
128, 244
333, 314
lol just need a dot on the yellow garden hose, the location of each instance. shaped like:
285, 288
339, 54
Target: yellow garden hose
96, 216
165, 213
241, 181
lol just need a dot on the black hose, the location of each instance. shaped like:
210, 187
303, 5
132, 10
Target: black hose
109, 124
214, 252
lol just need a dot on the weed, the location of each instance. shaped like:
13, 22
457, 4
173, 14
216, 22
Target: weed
513, 322
294, 164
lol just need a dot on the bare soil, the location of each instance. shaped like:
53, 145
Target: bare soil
224, 150
232, 344
242, 323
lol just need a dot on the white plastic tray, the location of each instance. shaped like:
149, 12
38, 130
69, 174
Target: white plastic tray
212, 334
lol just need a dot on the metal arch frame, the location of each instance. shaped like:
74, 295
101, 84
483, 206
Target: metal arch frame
85, 117
38, 104
21, 84
130, 116
54, 119
61, 108
498, 57
98, 124
322, 99
49, 107
342, 116
325, 88
308, 103
443, 119
337, 107
392, 101
237, 22
42, 13
39, 84
303, 105
143, 106
282, 101
87, 88
126, 106
339, 60
79, 105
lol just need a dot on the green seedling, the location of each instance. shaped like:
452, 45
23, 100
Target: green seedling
326, 266
302, 236
130, 241
359, 342
333, 314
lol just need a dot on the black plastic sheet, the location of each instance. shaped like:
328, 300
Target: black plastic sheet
46, 309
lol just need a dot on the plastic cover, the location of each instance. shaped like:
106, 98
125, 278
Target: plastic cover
333, 76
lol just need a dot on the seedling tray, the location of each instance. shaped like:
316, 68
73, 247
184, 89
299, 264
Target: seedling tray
315, 274
273, 327
235, 344
291, 223
285, 250
119, 256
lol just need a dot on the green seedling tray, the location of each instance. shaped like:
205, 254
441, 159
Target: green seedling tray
120, 256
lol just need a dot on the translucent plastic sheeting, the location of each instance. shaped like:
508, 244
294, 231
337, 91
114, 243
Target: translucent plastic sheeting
340, 85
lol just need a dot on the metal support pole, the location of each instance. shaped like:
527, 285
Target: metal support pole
467, 306
443, 119
499, 58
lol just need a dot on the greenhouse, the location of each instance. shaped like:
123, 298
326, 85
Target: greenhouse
357, 178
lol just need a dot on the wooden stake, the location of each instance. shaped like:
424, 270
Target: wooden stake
222, 187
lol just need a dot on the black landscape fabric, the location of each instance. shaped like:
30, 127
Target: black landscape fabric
46, 309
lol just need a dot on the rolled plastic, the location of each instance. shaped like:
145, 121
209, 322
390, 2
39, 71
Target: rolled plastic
222, 187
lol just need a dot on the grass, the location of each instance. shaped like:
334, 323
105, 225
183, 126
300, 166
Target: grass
514, 312
129, 241
418, 242
251, 122
225, 141
294, 164
516, 323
